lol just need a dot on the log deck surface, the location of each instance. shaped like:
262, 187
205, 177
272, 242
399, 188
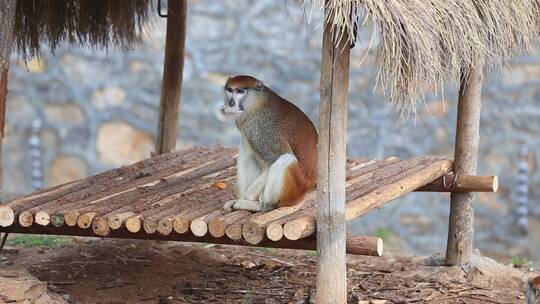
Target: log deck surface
179, 196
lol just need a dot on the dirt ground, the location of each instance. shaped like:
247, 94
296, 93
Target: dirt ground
127, 271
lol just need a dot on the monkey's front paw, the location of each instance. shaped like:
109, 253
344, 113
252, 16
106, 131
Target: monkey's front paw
229, 205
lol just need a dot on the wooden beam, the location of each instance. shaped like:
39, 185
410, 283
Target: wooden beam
357, 245
460, 230
331, 236
171, 86
304, 226
462, 184
7, 21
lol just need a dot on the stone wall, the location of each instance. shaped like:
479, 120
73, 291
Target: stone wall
98, 110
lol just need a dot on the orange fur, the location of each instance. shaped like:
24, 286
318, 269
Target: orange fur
242, 82
295, 186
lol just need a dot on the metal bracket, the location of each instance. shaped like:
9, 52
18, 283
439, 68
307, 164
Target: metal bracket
159, 9
449, 184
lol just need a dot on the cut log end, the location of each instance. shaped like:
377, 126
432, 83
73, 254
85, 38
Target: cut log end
198, 227
274, 232
133, 224
7, 216
116, 221
181, 224
57, 220
379, 247
85, 220
42, 218
299, 228
495, 186
217, 227
165, 226
26, 219
150, 225
234, 231
253, 233
71, 217
100, 226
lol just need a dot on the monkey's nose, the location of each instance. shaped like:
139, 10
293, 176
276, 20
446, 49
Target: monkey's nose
231, 102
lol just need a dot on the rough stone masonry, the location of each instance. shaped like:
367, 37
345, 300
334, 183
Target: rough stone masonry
99, 110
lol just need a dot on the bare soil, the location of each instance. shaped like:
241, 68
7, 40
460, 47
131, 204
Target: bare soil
128, 271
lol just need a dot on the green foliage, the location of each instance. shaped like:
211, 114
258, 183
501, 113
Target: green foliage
36, 240
384, 233
311, 253
266, 249
518, 262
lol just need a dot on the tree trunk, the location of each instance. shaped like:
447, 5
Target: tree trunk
460, 230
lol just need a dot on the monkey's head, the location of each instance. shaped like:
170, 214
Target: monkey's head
239, 92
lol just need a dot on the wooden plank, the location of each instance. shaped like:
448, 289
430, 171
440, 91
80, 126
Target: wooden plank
304, 224
177, 202
460, 227
113, 194
92, 184
160, 186
178, 187
253, 230
331, 260
359, 245
375, 199
173, 67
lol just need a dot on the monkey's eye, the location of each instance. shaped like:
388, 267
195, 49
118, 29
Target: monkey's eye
241, 91
229, 89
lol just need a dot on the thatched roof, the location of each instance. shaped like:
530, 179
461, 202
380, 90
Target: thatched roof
423, 44
101, 23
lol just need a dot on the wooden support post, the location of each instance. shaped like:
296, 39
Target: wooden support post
7, 21
171, 86
460, 230
331, 235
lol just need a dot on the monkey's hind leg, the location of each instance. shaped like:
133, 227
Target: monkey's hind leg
257, 187
285, 184
251, 201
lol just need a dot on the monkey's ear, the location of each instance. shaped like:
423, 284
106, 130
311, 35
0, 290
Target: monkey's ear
260, 85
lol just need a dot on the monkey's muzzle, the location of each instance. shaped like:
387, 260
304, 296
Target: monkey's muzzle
231, 107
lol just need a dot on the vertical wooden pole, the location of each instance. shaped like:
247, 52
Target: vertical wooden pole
331, 258
7, 21
173, 67
460, 230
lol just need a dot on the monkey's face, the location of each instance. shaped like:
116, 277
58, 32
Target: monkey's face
235, 100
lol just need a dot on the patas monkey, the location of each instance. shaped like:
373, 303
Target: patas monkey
277, 161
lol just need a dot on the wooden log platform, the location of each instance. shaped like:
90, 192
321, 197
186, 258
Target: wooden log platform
179, 196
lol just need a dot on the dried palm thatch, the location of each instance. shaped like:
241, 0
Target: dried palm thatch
100, 23
423, 44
